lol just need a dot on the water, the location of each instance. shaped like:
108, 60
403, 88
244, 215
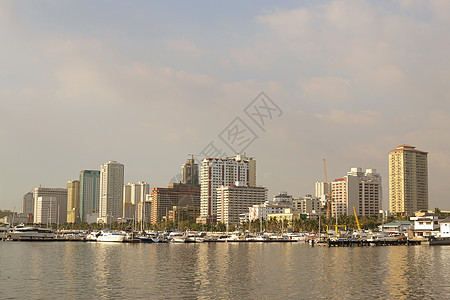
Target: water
74, 270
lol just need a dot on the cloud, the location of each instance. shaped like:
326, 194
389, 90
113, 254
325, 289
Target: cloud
184, 48
327, 89
361, 118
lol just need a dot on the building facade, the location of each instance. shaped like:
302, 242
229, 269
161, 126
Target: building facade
164, 199
27, 203
111, 190
216, 172
135, 192
234, 200
307, 205
89, 193
73, 201
189, 172
358, 189
46, 211
408, 180
57, 205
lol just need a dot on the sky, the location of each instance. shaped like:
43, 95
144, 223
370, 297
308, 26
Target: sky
147, 83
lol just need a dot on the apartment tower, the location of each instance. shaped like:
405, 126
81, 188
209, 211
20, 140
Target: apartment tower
73, 201
216, 172
89, 193
111, 190
408, 180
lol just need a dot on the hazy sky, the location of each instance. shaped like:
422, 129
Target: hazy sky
146, 83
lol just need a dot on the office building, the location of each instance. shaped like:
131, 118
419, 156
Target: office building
89, 193
46, 210
164, 199
408, 180
322, 190
216, 172
73, 201
129, 210
189, 172
52, 207
111, 191
233, 200
358, 189
27, 203
307, 205
135, 192
144, 210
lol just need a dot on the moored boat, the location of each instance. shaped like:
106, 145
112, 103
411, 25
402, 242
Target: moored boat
109, 236
22, 233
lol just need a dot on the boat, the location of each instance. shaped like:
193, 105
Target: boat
92, 236
109, 236
194, 237
177, 237
22, 233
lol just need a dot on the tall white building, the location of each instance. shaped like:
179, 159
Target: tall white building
359, 189
46, 210
59, 208
111, 190
234, 200
135, 192
216, 172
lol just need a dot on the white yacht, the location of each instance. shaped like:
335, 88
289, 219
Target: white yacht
177, 237
194, 237
109, 236
22, 233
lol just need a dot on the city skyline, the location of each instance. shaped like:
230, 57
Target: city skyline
352, 82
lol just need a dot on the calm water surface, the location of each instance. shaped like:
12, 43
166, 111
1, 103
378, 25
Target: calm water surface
74, 270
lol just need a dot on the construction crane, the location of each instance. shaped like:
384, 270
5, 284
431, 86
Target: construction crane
356, 217
327, 192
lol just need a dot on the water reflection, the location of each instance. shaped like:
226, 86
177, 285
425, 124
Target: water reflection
222, 270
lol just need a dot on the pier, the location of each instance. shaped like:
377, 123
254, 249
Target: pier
361, 243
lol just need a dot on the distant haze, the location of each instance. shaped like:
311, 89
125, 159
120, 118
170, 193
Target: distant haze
146, 83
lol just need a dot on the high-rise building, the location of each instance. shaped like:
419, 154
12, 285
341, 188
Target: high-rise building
233, 200
46, 211
322, 190
57, 207
144, 210
189, 172
89, 193
111, 190
135, 192
129, 210
408, 180
307, 205
73, 201
358, 189
27, 203
164, 199
216, 172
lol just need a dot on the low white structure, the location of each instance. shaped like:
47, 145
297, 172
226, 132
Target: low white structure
261, 211
425, 225
444, 227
